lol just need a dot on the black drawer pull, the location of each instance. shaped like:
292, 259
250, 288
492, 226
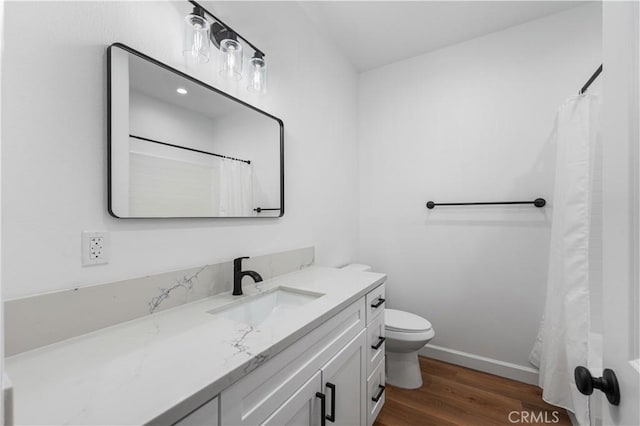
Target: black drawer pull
378, 303
323, 408
379, 395
380, 342
332, 417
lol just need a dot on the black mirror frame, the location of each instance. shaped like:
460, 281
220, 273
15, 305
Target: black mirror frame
206, 86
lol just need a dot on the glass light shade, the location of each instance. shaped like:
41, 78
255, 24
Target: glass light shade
196, 39
257, 75
231, 59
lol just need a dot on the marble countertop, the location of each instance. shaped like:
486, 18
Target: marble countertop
152, 369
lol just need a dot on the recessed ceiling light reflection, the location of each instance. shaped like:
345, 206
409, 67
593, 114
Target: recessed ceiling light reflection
181, 91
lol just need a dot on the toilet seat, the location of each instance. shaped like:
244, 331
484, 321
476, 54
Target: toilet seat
405, 322
405, 337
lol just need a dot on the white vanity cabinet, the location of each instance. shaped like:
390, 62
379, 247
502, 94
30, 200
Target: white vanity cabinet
332, 363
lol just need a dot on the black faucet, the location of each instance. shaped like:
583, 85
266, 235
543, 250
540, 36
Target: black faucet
238, 273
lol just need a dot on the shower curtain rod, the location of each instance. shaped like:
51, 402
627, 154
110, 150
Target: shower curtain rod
188, 149
591, 80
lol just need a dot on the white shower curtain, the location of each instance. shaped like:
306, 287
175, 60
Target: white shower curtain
236, 188
563, 338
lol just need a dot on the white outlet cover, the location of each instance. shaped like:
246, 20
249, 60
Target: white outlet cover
95, 248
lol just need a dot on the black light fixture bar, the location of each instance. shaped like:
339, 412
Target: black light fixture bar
219, 21
538, 202
591, 80
188, 149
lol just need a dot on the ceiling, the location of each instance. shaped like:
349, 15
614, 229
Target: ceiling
375, 33
160, 83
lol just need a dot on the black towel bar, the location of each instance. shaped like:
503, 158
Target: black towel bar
538, 202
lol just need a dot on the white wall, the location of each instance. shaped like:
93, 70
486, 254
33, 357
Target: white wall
54, 142
470, 123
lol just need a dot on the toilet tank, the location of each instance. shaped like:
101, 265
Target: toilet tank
357, 267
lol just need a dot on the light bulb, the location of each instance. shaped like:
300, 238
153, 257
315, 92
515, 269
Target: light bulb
257, 74
231, 59
196, 38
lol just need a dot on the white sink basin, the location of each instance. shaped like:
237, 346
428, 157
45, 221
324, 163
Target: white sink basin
255, 310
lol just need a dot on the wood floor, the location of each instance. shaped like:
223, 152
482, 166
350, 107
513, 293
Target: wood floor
453, 395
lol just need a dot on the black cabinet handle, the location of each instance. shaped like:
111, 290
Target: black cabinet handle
332, 417
323, 408
608, 383
380, 342
379, 394
378, 303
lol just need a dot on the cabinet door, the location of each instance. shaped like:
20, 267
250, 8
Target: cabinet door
302, 409
344, 383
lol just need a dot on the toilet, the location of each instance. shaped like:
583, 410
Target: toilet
405, 333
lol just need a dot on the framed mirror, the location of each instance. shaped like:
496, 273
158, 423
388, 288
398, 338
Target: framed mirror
179, 148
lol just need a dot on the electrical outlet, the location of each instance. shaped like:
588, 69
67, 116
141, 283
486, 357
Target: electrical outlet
95, 248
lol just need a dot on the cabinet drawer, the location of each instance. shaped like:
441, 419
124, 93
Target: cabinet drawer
375, 302
207, 415
375, 336
375, 392
252, 399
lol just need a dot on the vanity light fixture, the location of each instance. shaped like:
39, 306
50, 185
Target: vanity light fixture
181, 91
227, 41
196, 37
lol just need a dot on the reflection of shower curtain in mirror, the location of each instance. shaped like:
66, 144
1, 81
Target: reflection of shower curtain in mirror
236, 188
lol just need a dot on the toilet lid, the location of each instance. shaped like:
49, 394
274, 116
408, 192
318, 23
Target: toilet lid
395, 320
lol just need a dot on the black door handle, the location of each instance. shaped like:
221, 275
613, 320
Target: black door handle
379, 394
378, 303
608, 383
380, 342
323, 408
332, 417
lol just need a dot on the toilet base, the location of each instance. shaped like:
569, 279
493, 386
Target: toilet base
403, 370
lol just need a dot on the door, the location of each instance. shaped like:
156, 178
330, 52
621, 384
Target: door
621, 229
303, 408
344, 380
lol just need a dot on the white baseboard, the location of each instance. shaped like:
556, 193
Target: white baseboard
488, 365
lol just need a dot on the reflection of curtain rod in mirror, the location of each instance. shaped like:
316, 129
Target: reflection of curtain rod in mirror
188, 149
